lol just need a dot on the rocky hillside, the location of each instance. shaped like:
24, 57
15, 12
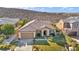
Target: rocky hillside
21, 13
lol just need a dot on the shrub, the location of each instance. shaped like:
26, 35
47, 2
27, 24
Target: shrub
4, 47
40, 42
2, 37
7, 29
14, 42
77, 48
22, 22
35, 48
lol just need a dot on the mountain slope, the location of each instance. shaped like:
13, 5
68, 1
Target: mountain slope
21, 13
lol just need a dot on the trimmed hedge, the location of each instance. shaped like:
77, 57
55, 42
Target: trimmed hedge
40, 42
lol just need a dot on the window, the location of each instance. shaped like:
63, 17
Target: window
66, 25
38, 33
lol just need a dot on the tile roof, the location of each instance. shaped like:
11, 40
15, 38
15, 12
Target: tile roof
35, 25
72, 19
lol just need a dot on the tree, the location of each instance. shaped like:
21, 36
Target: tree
22, 22
7, 29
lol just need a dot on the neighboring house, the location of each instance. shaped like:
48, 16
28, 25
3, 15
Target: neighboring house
36, 28
7, 20
69, 25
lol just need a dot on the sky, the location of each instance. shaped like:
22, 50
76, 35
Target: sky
38, 3
55, 9
42, 5
24, 3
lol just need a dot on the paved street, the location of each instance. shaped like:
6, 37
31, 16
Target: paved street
9, 40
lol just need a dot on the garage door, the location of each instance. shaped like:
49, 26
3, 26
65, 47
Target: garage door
27, 35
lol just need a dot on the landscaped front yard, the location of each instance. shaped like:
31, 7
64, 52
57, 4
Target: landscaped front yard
44, 45
56, 43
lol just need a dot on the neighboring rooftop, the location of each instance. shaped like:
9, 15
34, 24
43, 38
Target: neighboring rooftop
72, 19
8, 20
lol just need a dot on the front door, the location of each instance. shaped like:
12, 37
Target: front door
45, 33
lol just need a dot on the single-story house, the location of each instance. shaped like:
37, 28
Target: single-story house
7, 20
36, 28
69, 25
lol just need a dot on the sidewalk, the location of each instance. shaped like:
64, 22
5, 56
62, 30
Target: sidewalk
24, 48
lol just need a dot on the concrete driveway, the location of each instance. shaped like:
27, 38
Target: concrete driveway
25, 42
24, 45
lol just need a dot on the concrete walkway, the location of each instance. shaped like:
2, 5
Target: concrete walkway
76, 39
